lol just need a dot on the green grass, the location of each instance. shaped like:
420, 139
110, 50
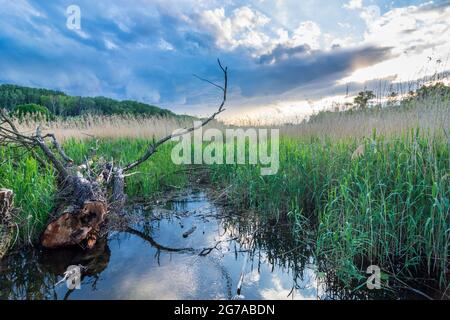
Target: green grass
389, 207
33, 189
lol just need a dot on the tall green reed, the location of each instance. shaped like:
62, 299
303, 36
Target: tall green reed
389, 206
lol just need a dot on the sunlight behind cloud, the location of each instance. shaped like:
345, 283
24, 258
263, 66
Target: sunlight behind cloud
418, 38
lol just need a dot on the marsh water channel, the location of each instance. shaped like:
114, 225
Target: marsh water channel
187, 247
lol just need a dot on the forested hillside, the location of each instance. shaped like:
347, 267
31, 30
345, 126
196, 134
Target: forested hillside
61, 104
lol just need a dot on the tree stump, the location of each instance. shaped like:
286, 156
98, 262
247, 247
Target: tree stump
79, 223
6, 230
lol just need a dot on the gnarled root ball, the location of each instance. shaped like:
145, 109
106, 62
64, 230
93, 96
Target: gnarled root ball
75, 226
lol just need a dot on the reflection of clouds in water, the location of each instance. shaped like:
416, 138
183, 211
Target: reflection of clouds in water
252, 277
214, 276
280, 291
217, 235
174, 281
277, 292
309, 285
223, 236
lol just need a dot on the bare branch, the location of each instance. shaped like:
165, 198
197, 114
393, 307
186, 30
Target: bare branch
210, 82
154, 146
12, 134
7, 120
58, 147
50, 155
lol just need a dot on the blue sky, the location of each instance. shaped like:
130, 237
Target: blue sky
283, 55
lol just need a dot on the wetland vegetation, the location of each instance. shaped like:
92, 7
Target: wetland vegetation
367, 186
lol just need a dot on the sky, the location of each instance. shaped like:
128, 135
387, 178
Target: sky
286, 58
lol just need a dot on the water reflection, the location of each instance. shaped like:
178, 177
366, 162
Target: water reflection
151, 259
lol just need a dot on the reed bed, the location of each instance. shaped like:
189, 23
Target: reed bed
373, 186
107, 127
389, 206
389, 122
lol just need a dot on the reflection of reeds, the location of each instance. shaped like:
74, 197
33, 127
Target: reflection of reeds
19, 281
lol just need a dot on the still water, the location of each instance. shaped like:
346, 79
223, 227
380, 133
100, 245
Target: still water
186, 248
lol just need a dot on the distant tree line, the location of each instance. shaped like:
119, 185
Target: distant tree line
33, 110
363, 101
438, 91
13, 97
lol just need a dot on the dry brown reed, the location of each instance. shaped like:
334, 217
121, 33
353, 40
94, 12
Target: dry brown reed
116, 126
429, 117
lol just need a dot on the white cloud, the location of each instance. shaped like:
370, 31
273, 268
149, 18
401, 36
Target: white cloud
173, 281
330, 41
418, 36
344, 25
306, 33
242, 28
81, 34
370, 14
164, 45
119, 15
353, 4
110, 44
249, 29
19, 8
367, 13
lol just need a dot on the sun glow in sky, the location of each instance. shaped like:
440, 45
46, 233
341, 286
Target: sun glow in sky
287, 58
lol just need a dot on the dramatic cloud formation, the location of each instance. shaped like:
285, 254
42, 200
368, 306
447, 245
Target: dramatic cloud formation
293, 67
279, 52
417, 35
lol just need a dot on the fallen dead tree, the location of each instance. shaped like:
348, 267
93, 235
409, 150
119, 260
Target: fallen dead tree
90, 191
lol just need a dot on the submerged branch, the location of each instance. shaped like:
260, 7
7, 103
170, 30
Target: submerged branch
156, 244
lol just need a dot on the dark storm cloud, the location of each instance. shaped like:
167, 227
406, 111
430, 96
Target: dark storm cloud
295, 67
282, 53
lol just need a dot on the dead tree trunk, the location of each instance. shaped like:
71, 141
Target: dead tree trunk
90, 191
80, 220
6, 228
